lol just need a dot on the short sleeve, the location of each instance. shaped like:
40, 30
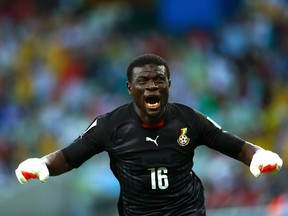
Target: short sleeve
91, 142
212, 135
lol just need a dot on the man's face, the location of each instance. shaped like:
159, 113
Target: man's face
149, 88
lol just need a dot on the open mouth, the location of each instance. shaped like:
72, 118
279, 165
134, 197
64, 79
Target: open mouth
153, 102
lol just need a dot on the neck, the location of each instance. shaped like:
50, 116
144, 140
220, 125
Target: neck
155, 125
150, 120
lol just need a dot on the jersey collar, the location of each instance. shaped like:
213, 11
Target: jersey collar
156, 125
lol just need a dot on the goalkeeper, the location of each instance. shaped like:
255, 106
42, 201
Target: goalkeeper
150, 142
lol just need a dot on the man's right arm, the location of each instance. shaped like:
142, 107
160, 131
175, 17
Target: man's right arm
41, 168
64, 160
56, 163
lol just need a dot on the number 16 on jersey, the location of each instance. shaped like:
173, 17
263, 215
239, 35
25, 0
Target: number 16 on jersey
159, 178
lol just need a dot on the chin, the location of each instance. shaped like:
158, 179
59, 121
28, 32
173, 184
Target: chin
154, 113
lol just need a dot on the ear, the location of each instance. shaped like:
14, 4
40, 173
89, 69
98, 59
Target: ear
129, 87
169, 84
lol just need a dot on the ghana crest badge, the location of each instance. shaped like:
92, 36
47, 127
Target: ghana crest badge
183, 139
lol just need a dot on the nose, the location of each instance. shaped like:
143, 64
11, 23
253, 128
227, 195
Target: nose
151, 86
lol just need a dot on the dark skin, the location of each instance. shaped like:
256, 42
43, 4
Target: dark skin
149, 89
150, 81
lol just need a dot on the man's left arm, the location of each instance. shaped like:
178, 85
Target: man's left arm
259, 160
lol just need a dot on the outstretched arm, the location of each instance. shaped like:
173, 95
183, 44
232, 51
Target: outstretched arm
56, 163
41, 168
247, 152
259, 160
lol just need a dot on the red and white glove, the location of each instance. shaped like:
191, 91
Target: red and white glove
265, 161
32, 168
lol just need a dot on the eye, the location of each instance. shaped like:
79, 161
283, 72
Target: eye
160, 79
141, 80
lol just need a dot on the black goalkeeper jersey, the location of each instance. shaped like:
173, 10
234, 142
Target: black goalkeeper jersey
154, 164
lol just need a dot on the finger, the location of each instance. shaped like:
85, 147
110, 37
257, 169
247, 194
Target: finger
255, 171
44, 175
28, 175
279, 163
274, 163
268, 169
20, 177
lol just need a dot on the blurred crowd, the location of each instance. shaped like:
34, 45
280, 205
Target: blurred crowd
62, 63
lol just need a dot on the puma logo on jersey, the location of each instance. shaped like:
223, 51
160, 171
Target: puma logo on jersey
148, 139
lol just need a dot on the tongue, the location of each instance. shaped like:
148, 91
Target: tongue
152, 100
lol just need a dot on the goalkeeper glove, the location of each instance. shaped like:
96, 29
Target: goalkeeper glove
265, 161
32, 168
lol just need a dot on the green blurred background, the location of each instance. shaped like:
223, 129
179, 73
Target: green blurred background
63, 62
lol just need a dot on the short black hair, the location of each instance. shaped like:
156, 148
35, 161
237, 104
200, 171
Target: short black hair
147, 59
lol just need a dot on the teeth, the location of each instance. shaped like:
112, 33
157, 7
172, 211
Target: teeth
153, 105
